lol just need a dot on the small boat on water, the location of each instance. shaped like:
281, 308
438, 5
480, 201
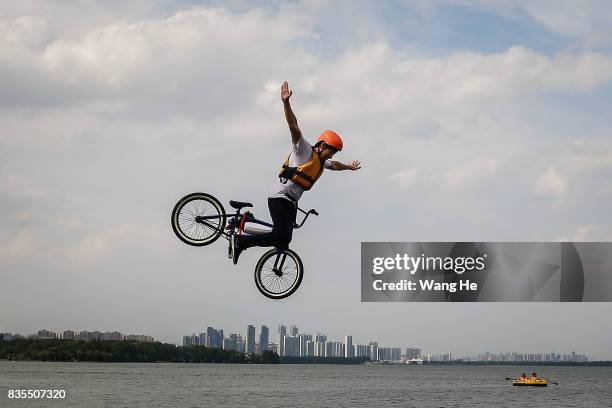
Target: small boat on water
529, 382
526, 381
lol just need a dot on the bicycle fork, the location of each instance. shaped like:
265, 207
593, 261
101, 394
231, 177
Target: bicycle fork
278, 269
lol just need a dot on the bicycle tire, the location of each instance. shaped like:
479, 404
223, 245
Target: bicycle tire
273, 286
183, 219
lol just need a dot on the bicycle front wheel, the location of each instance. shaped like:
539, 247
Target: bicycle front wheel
198, 219
279, 273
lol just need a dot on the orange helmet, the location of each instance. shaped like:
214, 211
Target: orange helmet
331, 138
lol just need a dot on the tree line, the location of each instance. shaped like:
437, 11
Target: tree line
129, 351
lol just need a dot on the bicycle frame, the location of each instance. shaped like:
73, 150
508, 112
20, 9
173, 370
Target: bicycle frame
199, 219
234, 219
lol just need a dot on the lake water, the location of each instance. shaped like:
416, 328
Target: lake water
225, 385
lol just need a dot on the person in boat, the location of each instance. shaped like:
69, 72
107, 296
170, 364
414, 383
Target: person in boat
534, 376
523, 377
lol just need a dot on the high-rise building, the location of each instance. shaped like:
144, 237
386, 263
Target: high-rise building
282, 332
320, 343
139, 337
334, 349
250, 339
413, 353
115, 336
264, 338
348, 346
68, 335
211, 335
373, 351
46, 334
89, 336
291, 346
233, 342
293, 330
304, 338
273, 347
213, 338
310, 348
384, 354
362, 350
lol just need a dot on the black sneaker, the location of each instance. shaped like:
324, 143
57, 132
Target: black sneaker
235, 248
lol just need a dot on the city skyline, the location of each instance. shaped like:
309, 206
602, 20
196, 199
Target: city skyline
406, 351
84, 335
296, 344
215, 338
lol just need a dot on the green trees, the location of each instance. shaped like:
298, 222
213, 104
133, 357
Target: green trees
124, 351
269, 357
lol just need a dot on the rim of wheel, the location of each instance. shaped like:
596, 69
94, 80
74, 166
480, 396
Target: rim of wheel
190, 230
279, 281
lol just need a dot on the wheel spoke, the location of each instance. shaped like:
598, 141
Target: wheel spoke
273, 283
199, 232
267, 279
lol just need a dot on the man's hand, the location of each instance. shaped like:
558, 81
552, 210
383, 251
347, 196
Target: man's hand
285, 92
338, 166
354, 165
296, 134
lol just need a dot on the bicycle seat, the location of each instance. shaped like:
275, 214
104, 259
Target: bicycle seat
239, 204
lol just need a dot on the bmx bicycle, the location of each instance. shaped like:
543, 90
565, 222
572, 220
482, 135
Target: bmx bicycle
199, 219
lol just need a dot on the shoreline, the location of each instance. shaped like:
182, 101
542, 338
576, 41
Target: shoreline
131, 351
593, 364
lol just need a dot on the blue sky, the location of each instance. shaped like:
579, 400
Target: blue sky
433, 27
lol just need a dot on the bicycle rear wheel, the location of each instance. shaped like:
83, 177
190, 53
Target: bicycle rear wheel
278, 273
204, 231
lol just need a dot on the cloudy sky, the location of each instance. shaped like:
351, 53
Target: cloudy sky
474, 120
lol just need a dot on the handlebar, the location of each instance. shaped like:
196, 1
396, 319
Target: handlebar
311, 211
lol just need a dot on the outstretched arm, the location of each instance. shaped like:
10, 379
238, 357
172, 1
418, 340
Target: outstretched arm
296, 133
336, 165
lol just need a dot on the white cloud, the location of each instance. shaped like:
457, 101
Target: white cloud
192, 55
462, 176
591, 155
19, 187
25, 243
405, 178
106, 243
182, 59
551, 183
584, 233
24, 31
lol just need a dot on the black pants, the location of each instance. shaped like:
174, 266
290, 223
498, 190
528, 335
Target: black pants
283, 214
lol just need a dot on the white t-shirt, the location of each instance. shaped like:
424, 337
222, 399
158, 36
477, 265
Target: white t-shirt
301, 153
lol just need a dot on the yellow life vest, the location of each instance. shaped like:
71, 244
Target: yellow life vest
305, 175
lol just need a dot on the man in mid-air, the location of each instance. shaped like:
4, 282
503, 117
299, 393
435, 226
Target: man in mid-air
301, 169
